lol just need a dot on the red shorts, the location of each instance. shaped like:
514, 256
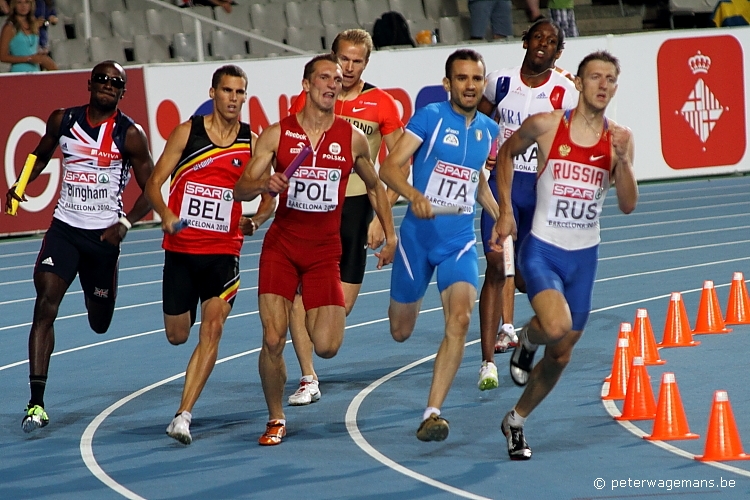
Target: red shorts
285, 265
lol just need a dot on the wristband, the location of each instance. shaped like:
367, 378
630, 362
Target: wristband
125, 222
255, 226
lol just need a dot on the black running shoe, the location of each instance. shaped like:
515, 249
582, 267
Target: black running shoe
522, 359
518, 448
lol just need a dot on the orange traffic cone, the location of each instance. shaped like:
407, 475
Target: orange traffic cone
626, 332
671, 422
618, 384
639, 400
722, 439
677, 327
645, 343
738, 309
709, 315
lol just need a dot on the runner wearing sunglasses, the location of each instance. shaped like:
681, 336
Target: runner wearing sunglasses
99, 145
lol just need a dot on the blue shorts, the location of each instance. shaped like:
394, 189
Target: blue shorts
570, 272
523, 201
415, 263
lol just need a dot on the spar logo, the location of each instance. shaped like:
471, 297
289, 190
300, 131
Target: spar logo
701, 101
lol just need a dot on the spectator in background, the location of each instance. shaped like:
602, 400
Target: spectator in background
732, 13
497, 13
4, 8
46, 14
19, 40
532, 9
561, 11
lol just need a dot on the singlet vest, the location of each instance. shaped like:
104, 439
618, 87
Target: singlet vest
571, 189
311, 208
200, 192
95, 172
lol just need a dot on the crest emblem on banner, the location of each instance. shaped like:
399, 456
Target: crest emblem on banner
701, 101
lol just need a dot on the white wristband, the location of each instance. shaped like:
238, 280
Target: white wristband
125, 222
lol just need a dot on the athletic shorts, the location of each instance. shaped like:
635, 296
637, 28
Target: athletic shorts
356, 216
570, 272
286, 267
523, 201
415, 263
188, 278
67, 251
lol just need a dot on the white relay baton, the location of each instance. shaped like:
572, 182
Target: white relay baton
508, 257
449, 210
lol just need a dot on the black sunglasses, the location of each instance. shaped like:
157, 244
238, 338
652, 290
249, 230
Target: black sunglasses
116, 81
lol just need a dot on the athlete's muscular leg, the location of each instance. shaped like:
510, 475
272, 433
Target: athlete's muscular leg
301, 342
458, 302
214, 313
403, 318
351, 292
274, 311
177, 327
491, 304
50, 289
100, 314
326, 327
552, 326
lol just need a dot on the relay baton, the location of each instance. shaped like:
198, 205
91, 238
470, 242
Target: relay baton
22, 181
179, 226
508, 257
296, 162
449, 210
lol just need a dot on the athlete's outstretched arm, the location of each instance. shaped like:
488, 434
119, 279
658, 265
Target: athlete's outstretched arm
164, 167
623, 174
43, 152
375, 233
486, 198
395, 178
253, 180
375, 191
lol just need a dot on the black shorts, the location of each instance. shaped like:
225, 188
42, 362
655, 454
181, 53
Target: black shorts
67, 251
355, 219
188, 278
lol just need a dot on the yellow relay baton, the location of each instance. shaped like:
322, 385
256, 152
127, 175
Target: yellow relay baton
20, 186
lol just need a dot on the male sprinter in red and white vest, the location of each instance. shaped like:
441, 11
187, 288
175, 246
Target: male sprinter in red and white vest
581, 153
303, 247
204, 157
374, 112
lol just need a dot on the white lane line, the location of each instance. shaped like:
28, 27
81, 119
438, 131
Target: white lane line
87, 451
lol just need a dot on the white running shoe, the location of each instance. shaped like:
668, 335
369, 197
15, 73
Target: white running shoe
488, 376
308, 392
506, 338
179, 428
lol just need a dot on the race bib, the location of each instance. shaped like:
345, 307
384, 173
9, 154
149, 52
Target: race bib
86, 192
452, 186
314, 189
207, 207
574, 207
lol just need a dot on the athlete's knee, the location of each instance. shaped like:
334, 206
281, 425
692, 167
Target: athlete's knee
45, 310
273, 342
327, 350
457, 323
100, 316
177, 335
556, 328
557, 359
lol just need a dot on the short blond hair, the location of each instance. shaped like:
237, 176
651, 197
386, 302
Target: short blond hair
354, 36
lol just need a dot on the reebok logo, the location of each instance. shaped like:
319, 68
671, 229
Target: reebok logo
48, 262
